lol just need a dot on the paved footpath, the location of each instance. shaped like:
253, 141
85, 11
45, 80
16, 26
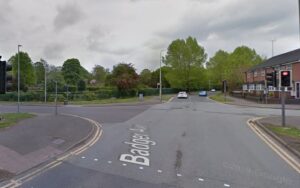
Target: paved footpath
243, 102
36, 140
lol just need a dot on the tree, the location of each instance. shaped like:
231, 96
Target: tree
39, 70
99, 74
81, 85
186, 59
155, 77
232, 66
124, 77
73, 71
27, 73
145, 77
55, 74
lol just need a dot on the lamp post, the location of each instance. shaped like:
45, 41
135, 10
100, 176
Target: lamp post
19, 77
160, 76
273, 40
45, 78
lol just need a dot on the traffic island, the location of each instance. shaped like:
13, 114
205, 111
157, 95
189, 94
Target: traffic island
288, 136
31, 142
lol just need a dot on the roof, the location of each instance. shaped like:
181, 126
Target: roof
289, 57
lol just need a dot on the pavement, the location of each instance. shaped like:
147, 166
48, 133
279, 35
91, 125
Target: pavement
33, 141
188, 143
244, 102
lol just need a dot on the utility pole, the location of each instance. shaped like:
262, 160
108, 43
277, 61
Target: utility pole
273, 40
45, 68
19, 77
55, 97
160, 79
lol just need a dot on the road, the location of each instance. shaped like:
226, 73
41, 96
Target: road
186, 143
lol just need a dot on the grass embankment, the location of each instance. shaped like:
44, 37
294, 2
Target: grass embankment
220, 98
120, 100
8, 119
285, 131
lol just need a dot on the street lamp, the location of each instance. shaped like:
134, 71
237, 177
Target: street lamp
273, 40
160, 82
19, 77
45, 77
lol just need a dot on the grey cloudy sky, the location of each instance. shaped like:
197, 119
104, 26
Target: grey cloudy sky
106, 32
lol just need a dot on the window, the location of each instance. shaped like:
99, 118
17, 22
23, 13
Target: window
245, 87
262, 73
255, 73
258, 87
251, 87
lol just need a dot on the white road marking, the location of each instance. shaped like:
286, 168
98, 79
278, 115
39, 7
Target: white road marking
124, 164
83, 157
141, 168
159, 171
95, 159
109, 162
200, 179
226, 185
179, 175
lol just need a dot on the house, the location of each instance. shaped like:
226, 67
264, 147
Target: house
255, 78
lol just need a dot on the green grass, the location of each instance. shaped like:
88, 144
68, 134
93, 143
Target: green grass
285, 131
9, 119
119, 100
220, 98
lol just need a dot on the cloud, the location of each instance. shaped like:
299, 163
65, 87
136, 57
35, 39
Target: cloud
67, 15
53, 51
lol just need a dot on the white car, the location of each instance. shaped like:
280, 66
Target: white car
182, 95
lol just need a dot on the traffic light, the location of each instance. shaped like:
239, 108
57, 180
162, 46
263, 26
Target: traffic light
285, 77
5, 78
271, 79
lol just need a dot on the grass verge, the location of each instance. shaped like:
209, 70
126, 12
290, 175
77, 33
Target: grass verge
220, 98
285, 131
8, 119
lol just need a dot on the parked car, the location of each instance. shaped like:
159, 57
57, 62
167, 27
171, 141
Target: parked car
182, 95
213, 90
202, 93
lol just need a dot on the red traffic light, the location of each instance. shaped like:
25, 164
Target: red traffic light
285, 73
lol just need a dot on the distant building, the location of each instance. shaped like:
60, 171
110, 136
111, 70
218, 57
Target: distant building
255, 78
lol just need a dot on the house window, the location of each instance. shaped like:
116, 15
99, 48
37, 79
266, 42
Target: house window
271, 88
245, 87
251, 87
255, 74
262, 73
258, 87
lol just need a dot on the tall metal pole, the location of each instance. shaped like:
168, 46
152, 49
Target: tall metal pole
19, 77
160, 84
55, 97
45, 80
283, 106
273, 40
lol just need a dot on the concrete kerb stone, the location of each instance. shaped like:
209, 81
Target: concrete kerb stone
279, 140
55, 160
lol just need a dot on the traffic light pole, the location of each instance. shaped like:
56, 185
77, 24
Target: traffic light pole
19, 78
283, 106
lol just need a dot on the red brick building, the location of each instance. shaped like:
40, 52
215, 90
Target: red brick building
255, 78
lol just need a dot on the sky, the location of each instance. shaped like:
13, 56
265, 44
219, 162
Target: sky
107, 32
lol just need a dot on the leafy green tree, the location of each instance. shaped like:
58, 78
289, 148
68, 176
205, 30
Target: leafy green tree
155, 77
27, 73
81, 85
39, 72
145, 77
99, 74
55, 74
73, 71
124, 77
232, 66
186, 59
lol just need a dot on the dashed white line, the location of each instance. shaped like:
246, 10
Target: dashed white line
159, 171
124, 164
200, 179
95, 159
141, 168
226, 185
83, 157
179, 175
109, 162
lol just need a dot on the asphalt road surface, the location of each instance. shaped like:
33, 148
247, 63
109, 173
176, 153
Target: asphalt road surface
186, 143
